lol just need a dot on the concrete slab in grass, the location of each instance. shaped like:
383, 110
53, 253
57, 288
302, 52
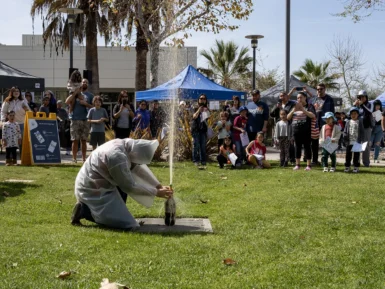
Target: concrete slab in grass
182, 225
18, 181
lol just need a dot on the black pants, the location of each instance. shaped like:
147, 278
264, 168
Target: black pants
314, 150
292, 153
122, 133
222, 160
86, 212
348, 157
10, 152
302, 139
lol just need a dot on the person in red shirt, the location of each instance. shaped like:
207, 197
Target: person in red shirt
330, 132
256, 151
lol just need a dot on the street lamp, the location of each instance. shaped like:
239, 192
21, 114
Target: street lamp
71, 11
287, 50
254, 45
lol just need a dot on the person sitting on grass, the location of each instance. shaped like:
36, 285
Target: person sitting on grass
225, 150
256, 152
353, 133
97, 116
331, 130
114, 170
11, 137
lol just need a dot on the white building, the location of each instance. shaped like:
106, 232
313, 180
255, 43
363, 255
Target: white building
116, 65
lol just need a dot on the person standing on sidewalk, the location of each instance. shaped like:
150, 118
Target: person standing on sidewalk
365, 109
11, 137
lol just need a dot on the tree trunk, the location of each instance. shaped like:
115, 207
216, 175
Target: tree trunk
141, 60
154, 59
92, 60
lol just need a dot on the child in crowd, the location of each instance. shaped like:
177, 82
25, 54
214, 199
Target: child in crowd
11, 139
330, 130
282, 137
73, 85
223, 127
340, 116
239, 128
224, 151
354, 132
45, 106
75, 81
97, 116
256, 151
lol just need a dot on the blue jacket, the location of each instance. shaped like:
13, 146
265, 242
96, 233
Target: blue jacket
144, 121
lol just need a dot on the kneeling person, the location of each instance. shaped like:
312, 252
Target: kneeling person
113, 171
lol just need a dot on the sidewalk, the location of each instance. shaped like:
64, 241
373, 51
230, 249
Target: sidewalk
65, 159
273, 154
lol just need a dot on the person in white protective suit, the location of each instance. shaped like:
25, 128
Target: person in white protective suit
113, 171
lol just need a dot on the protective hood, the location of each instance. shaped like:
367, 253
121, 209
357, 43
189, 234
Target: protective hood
141, 151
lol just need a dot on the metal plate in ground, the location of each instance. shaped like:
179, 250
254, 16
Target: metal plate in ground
182, 225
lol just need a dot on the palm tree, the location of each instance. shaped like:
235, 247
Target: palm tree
314, 73
55, 28
124, 18
227, 62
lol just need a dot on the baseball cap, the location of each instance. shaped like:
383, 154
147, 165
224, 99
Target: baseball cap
255, 91
363, 92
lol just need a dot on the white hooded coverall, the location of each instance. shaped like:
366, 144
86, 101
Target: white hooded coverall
108, 167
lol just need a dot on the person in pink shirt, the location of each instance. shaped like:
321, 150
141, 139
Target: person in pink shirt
330, 132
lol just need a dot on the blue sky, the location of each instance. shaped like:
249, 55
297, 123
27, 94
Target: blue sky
312, 29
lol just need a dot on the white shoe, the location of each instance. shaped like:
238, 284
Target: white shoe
332, 170
325, 169
347, 169
355, 170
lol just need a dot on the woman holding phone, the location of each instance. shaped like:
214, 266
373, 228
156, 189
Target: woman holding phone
123, 115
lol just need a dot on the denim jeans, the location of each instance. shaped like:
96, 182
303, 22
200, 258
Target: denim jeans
376, 140
240, 151
199, 147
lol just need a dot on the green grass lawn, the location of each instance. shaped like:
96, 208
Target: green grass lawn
284, 229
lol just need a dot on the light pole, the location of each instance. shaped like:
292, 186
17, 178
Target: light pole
287, 62
254, 45
71, 20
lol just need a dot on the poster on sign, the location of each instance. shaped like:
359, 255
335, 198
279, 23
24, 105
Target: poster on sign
44, 141
41, 140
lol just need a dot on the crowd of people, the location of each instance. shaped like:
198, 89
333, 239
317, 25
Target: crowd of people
300, 128
304, 126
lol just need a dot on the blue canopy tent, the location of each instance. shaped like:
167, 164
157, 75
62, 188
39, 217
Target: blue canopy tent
382, 99
188, 84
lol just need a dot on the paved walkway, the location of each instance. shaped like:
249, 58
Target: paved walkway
272, 154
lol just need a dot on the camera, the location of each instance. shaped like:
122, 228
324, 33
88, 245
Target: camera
279, 101
299, 88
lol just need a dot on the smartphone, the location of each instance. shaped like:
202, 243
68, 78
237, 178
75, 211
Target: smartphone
299, 88
124, 102
279, 100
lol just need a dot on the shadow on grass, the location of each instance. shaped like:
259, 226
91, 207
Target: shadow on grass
14, 189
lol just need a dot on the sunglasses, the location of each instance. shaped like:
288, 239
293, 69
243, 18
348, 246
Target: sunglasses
202, 98
320, 89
